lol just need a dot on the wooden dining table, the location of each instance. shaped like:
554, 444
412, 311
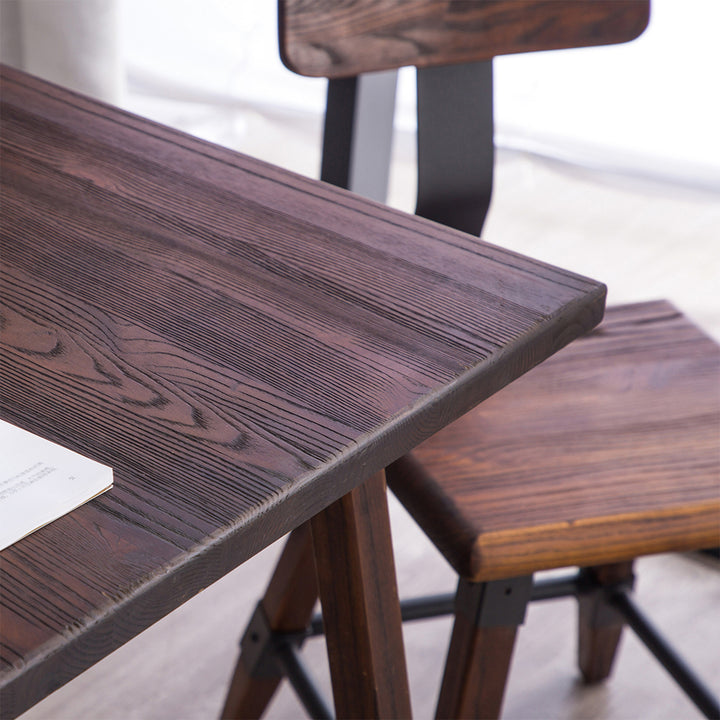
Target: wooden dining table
247, 349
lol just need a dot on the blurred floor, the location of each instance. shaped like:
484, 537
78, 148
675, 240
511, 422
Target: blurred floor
645, 240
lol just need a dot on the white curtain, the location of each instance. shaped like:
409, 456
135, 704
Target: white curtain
75, 43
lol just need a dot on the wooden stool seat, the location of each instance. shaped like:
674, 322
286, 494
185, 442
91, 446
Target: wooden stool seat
522, 483
606, 452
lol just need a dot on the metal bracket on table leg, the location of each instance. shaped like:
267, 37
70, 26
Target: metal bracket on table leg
269, 653
257, 647
601, 593
618, 602
617, 606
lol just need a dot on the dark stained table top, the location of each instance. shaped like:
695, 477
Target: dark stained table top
242, 345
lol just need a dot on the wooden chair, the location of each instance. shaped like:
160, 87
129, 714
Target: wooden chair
626, 461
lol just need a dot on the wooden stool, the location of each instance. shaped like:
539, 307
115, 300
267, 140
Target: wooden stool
521, 485
514, 487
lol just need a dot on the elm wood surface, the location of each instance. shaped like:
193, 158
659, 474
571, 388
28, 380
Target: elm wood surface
242, 345
326, 38
607, 452
361, 609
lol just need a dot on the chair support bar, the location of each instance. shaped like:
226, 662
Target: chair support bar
290, 662
692, 685
284, 646
421, 608
357, 141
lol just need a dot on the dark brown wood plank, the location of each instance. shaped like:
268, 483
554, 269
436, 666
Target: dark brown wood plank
616, 437
478, 661
361, 611
242, 345
327, 38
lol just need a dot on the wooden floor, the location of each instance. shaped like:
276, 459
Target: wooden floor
646, 241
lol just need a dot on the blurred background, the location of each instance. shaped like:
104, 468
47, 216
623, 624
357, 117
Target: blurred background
649, 107
608, 164
645, 114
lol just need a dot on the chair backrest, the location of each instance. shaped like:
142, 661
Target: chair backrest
342, 38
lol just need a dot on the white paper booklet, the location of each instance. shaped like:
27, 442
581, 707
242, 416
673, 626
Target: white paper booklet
40, 481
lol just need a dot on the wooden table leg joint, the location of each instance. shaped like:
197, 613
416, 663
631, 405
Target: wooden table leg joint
258, 647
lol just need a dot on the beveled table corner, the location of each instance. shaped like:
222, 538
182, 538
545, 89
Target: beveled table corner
244, 346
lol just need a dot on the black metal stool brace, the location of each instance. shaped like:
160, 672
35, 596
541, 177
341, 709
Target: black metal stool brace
499, 603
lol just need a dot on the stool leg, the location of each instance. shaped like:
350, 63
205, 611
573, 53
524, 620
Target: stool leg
287, 606
486, 619
599, 625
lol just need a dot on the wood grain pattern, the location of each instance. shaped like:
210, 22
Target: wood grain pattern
326, 38
606, 452
481, 648
242, 345
361, 610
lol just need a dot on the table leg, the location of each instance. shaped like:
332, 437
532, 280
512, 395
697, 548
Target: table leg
286, 607
361, 611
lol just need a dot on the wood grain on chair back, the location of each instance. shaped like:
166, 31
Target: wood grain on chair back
339, 38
